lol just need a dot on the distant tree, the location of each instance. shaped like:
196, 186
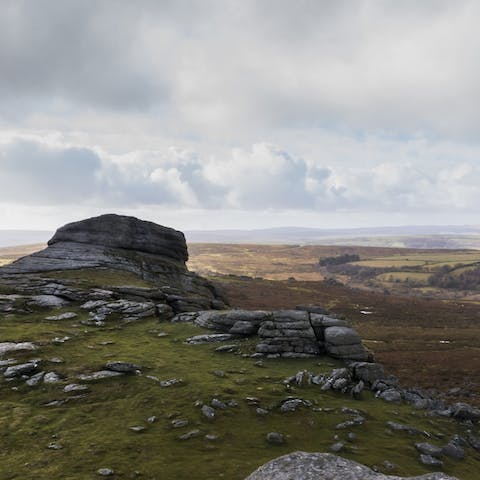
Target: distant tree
339, 259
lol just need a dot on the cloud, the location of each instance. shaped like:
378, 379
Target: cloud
262, 178
238, 70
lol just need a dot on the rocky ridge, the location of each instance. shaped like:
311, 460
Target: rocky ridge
325, 466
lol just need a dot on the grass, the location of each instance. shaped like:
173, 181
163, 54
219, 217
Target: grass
99, 277
94, 430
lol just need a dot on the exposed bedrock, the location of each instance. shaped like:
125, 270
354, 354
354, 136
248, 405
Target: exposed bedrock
326, 466
155, 253
287, 333
119, 231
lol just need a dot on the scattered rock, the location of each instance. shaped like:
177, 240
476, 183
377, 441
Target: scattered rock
337, 447
105, 472
101, 374
7, 347
171, 382
209, 338
208, 412
74, 387
34, 380
21, 369
137, 428
190, 434
51, 377
275, 438
431, 461
429, 449
62, 316
123, 367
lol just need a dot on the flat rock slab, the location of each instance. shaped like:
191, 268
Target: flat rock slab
101, 374
210, 338
326, 466
6, 347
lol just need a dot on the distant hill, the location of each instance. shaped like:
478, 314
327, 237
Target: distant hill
453, 236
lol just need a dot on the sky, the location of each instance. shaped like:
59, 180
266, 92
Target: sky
209, 114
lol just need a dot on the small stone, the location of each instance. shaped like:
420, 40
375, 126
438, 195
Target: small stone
208, 412
430, 461
162, 334
105, 472
152, 419
54, 446
74, 387
216, 403
219, 373
352, 436
211, 437
275, 438
51, 377
232, 403
180, 423
123, 367
337, 447
171, 382
252, 400
428, 449
453, 451
35, 379
227, 348
261, 411
137, 428
62, 316
190, 434
387, 465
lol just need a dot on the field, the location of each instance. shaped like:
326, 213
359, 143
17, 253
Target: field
411, 328
407, 325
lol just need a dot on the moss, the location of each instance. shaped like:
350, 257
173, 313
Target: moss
94, 430
100, 277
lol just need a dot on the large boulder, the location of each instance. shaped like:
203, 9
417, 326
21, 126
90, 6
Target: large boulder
325, 466
119, 231
154, 253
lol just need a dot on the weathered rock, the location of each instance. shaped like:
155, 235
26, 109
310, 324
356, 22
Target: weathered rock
367, 372
74, 387
62, 316
129, 233
210, 338
123, 367
47, 301
428, 449
463, 411
325, 466
154, 253
34, 380
100, 375
51, 377
7, 347
431, 461
453, 451
275, 438
208, 412
22, 369
391, 395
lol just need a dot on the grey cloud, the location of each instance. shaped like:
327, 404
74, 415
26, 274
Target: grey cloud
258, 179
33, 173
229, 69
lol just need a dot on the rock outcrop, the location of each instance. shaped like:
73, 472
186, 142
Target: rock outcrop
325, 466
154, 253
286, 333
117, 231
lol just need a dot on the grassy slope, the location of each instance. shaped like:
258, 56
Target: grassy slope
94, 431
